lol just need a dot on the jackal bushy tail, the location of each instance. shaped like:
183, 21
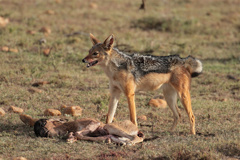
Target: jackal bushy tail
194, 66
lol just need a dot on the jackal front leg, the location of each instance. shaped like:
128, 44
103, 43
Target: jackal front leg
132, 108
130, 94
114, 97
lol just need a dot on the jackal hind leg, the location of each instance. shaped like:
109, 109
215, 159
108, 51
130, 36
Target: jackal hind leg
181, 82
170, 95
186, 101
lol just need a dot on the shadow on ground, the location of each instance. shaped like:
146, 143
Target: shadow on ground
16, 129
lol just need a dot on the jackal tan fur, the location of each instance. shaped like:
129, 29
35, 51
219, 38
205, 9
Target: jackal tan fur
131, 73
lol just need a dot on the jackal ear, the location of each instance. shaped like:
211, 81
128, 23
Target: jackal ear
108, 43
94, 40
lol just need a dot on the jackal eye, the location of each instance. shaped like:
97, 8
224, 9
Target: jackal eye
95, 53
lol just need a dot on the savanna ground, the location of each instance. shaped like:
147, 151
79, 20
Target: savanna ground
206, 29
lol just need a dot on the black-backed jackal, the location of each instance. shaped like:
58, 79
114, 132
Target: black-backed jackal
130, 73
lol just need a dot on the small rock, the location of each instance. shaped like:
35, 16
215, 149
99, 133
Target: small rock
158, 103
15, 109
14, 50
5, 49
49, 12
31, 32
2, 112
27, 119
93, 5
224, 99
45, 30
52, 112
142, 117
20, 158
3, 21
46, 52
74, 111
58, 1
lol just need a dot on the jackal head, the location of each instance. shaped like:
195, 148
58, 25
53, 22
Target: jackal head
100, 52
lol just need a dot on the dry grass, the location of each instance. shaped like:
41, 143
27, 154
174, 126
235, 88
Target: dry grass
208, 30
